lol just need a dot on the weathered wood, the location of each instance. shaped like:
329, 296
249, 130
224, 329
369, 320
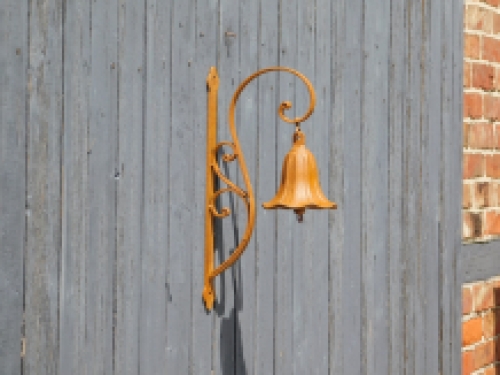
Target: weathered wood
73, 289
115, 174
283, 329
479, 261
13, 61
181, 179
351, 253
102, 170
43, 246
336, 183
155, 179
130, 189
375, 180
205, 57
397, 105
250, 126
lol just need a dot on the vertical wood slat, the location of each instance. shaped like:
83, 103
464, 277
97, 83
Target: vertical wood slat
181, 179
267, 172
351, 256
72, 307
225, 314
154, 289
318, 134
130, 191
205, 57
397, 105
337, 157
246, 332
375, 182
102, 168
284, 346
44, 126
13, 61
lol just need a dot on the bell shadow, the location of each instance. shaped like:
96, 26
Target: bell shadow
230, 327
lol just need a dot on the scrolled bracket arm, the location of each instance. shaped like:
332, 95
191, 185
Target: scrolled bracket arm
213, 169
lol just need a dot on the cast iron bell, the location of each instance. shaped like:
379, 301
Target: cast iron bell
300, 187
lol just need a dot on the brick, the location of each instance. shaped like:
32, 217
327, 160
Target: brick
467, 363
465, 134
466, 300
473, 165
481, 136
491, 107
496, 23
472, 331
492, 223
492, 165
481, 195
471, 46
484, 354
496, 131
491, 323
482, 296
472, 225
491, 49
493, 195
493, 3
478, 18
467, 196
467, 74
483, 76
473, 104
492, 370
495, 285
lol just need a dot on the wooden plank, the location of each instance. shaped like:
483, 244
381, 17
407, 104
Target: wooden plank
225, 324
351, 256
13, 62
101, 204
267, 170
131, 49
455, 218
181, 179
283, 337
479, 261
317, 131
154, 290
77, 60
374, 192
45, 124
205, 57
250, 125
336, 189
431, 143
450, 186
306, 352
397, 105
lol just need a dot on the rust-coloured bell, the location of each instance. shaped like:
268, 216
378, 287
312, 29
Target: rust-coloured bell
300, 187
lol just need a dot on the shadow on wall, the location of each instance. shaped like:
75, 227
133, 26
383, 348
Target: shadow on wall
231, 345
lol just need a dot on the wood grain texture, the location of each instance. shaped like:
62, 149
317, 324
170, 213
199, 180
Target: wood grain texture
113, 170
205, 57
43, 246
130, 189
102, 181
13, 62
74, 179
181, 189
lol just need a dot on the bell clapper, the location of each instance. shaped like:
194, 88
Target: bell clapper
300, 214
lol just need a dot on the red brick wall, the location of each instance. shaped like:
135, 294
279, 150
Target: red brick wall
481, 169
481, 328
481, 180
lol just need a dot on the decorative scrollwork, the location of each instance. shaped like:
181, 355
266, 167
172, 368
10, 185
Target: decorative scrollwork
248, 196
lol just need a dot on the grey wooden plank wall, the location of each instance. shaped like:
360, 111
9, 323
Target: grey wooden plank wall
102, 161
